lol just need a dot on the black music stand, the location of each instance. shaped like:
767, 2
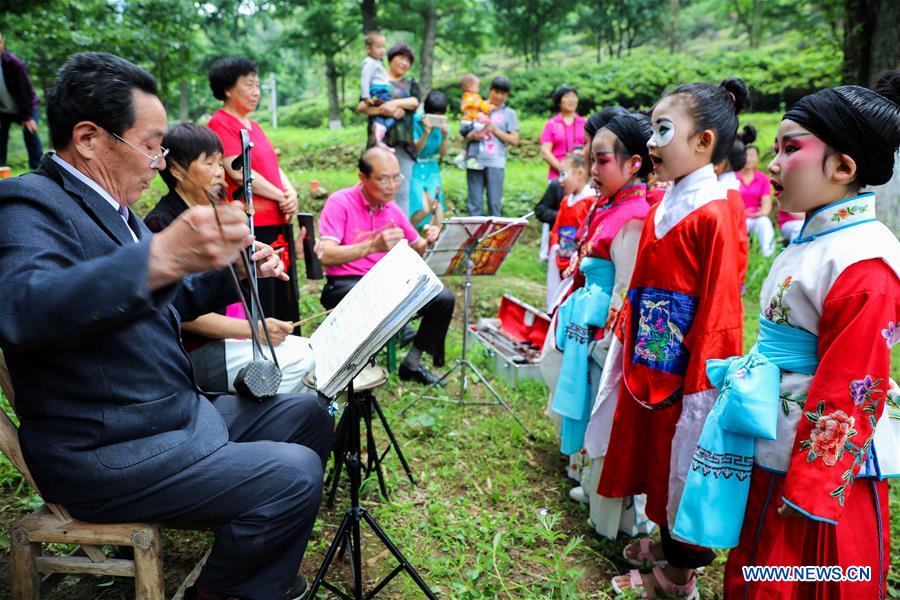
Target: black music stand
467, 254
343, 436
348, 534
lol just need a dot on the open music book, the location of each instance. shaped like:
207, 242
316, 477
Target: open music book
377, 307
489, 239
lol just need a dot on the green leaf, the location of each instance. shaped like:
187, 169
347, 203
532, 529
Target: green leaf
838, 491
813, 417
811, 456
820, 407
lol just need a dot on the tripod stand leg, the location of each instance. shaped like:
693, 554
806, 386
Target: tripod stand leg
394, 443
373, 460
339, 539
432, 386
340, 445
500, 400
399, 556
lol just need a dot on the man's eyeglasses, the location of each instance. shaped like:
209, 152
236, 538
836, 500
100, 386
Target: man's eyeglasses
385, 180
154, 159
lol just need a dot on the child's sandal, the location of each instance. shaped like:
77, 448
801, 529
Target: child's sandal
636, 585
687, 590
644, 556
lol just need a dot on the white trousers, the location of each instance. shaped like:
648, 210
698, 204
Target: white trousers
295, 358
762, 228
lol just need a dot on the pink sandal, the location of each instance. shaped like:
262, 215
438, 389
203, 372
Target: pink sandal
644, 556
687, 590
637, 585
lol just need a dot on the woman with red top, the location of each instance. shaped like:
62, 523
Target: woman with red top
757, 195
563, 133
235, 81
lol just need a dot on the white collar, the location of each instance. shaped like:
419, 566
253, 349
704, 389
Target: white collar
586, 192
94, 186
836, 216
692, 192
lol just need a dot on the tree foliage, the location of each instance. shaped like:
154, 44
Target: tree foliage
618, 27
782, 47
528, 26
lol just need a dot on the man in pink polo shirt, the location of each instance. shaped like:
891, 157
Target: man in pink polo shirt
357, 227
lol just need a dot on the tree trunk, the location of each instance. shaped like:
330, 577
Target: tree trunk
673, 26
858, 30
885, 53
369, 15
334, 109
756, 23
184, 101
426, 56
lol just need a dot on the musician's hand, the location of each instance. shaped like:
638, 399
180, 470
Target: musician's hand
288, 204
387, 239
431, 233
194, 243
30, 125
278, 330
268, 262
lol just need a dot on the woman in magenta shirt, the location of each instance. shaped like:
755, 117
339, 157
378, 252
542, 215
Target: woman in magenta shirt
563, 133
757, 194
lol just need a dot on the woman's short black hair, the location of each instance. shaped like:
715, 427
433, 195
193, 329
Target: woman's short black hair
225, 72
435, 103
401, 49
715, 107
186, 143
560, 92
501, 84
96, 87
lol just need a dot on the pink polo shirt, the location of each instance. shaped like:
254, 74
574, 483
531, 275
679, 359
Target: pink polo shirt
754, 192
348, 219
565, 138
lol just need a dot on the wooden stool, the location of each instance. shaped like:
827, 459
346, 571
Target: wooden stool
43, 527
52, 523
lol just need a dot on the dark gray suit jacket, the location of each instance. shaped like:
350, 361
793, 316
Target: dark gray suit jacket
104, 389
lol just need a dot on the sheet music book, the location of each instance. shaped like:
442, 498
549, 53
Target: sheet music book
448, 255
377, 307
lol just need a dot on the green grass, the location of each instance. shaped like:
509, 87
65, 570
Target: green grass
491, 515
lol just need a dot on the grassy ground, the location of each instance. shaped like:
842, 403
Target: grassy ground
490, 516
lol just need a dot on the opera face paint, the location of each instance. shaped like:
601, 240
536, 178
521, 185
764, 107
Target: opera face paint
670, 149
663, 132
607, 170
798, 172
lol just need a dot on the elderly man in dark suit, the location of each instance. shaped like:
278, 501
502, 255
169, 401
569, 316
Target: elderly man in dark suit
112, 423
